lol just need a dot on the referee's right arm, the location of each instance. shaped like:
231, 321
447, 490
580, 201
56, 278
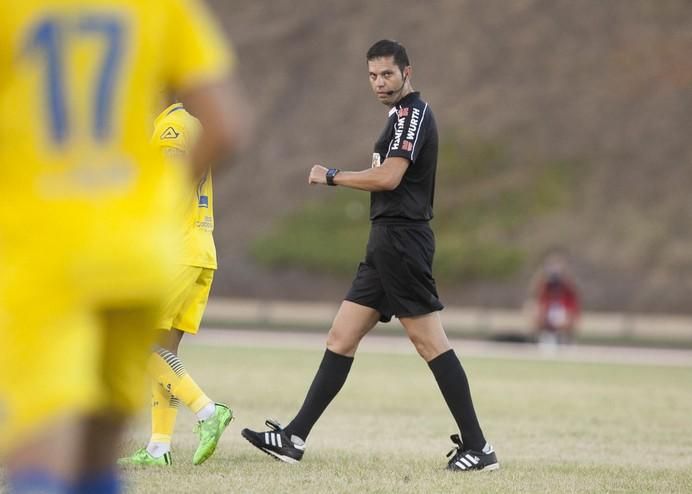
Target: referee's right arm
380, 178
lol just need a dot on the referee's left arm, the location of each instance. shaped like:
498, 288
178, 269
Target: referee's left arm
380, 178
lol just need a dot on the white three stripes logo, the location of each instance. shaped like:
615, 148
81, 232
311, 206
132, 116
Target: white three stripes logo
272, 438
466, 461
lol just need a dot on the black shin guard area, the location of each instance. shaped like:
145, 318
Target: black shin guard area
451, 379
329, 379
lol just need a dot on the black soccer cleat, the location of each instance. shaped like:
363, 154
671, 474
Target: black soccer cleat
275, 442
464, 460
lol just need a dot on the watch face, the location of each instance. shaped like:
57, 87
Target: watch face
376, 160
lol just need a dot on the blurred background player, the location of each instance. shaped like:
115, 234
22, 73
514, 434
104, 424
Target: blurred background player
554, 302
87, 220
175, 132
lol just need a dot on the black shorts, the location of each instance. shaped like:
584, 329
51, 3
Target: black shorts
396, 278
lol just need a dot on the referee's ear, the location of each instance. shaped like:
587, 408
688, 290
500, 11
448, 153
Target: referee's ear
408, 70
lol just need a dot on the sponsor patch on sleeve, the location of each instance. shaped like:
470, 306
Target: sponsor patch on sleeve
376, 160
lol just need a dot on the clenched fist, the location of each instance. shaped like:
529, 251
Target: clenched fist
318, 175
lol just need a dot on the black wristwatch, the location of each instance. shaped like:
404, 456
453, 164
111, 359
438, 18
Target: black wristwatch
331, 173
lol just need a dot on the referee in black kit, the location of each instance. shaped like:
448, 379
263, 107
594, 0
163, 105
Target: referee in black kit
395, 279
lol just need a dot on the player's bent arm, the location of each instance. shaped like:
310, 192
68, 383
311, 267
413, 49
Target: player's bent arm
226, 122
381, 178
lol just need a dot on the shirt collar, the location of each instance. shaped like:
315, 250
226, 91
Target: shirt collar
403, 101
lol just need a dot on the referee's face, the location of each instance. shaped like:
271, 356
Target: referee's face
388, 82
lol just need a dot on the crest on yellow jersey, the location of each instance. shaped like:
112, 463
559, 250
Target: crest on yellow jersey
170, 133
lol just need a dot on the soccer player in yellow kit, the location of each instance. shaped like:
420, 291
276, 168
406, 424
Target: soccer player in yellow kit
87, 218
175, 131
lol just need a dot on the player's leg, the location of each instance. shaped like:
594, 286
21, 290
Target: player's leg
164, 407
171, 386
168, 370
166, 366
48, 460
48, 380
404, 260
170, 340
124, 355
164, 412
171, 383
363, 306
103, 430
429, 338
352, 322
427, 335
213, 418
170, 373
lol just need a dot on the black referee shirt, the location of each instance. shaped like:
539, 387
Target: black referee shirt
410, 133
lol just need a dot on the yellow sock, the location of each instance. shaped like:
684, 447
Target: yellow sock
167, 370
164, 411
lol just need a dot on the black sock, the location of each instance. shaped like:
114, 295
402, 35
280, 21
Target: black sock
451, 379
329, 379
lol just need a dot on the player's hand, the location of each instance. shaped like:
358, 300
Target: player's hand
318, 175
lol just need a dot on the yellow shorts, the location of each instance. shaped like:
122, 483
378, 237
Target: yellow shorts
67, 347
187, 299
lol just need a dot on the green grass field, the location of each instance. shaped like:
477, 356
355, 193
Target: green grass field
557, 427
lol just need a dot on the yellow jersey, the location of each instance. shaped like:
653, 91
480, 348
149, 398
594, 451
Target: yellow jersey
175, 132
80, 82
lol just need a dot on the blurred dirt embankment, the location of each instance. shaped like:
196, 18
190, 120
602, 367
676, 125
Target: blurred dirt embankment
608, 84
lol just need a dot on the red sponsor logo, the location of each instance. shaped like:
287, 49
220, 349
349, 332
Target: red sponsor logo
403, 112
407, 146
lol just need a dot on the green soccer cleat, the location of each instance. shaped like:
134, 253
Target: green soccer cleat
209, 432
142, 458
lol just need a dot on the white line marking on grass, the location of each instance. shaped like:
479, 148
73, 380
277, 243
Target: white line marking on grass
374, 343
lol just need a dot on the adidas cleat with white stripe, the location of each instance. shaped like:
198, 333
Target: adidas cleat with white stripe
275, 442
464, 460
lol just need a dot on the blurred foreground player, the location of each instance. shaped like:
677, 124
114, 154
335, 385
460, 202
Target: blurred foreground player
175, 132
395, 279
87, 219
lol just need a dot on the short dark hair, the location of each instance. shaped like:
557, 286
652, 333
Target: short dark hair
389, 48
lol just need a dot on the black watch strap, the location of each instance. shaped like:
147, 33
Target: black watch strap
331, 173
